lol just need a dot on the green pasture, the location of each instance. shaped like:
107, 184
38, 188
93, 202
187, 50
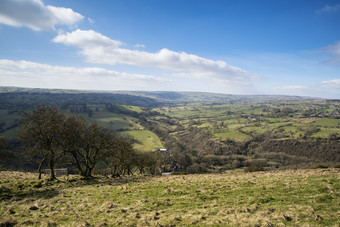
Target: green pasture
256, 129
112, 121
235, 126
327, 122
325, 132
148, 140
234, 135
133, 108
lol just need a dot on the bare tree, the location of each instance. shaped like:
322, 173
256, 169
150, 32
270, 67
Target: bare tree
73, 131
95, 142
120, 157
42, 133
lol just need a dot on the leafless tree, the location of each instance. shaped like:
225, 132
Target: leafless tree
42, 134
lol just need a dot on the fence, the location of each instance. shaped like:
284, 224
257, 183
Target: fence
58, 172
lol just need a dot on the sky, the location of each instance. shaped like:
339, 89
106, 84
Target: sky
271, 47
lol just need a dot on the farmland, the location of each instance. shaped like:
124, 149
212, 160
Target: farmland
286, 197
214, 131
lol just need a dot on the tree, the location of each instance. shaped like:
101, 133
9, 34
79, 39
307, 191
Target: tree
74, 128
120, 157
42, 134
85, 143
147, 162
95, 143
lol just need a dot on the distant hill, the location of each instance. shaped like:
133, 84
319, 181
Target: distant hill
138, 98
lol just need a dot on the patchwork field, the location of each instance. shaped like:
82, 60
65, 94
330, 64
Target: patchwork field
234, 198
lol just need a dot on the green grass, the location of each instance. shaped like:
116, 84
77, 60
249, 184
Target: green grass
327, 122
148, 140
133, 108
325, 132
235, 198
254, 128
235, 126
112, 121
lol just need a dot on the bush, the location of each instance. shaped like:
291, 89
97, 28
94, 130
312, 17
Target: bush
320, 166
196, 168
178, 173
256, 165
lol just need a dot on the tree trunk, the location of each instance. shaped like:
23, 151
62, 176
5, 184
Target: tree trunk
40, 166
81, 171
52, 164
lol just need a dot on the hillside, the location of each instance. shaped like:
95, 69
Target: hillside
234, 198
204, 132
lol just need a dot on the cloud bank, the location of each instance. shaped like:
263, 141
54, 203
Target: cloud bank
331, 83
35, 15
99, 49
32, 74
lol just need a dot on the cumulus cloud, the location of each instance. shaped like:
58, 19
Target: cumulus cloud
32, 74
87, 39
328, 9
99, 49
35, 15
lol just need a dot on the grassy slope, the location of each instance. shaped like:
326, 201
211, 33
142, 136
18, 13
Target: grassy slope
292, 197
148, 140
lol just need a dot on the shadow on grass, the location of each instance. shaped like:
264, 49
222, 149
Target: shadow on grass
104, 180
46, 189
14, 194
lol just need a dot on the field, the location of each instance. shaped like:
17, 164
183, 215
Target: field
244, 120
147, 141
233, 198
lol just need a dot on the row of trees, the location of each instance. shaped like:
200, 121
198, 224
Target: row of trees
55, 136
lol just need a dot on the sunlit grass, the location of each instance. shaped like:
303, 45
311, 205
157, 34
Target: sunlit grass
235, 198
148, 140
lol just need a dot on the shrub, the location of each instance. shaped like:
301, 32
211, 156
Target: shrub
256, 165
320, 166
196, 168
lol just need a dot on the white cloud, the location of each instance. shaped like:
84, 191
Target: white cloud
331, 83
328, 9
35, 15
99, 49
32, 74
87, 39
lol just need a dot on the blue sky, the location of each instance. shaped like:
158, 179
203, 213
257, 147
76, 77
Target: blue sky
233, 47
